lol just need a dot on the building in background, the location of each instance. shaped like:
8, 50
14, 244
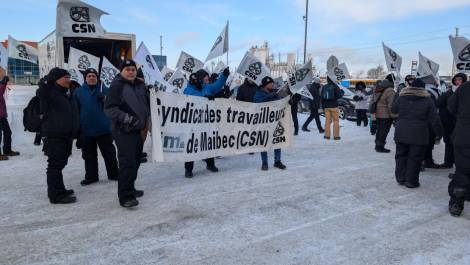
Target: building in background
22, 72
160, 60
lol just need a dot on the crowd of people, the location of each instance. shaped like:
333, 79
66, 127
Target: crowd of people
117, 120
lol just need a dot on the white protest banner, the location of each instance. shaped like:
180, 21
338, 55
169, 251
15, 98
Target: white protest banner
22, 51
108, 72
3, 57
428, 69
299, 79
461, 51
189, 64
335, 71
77, 19
220, 67
188, 128
178, 80
220, 45
167, 73
253, 69
82, 61
392, 59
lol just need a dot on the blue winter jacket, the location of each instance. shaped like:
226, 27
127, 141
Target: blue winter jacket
208, 90
93, 121
263, 96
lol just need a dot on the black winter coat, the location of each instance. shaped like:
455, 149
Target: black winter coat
459, 106
61, 116
314, 90
247, 91
416, 114
447, 119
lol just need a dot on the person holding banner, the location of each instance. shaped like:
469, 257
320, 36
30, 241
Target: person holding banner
60, 125
199, 85
128, 107
95, 129
265, 93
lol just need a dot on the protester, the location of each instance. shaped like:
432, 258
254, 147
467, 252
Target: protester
459, 187
294, 108
448, 120
128, 107
4, 125
247, 91
383, 98
199, 85
329, 98
95, 129
60, 125
416, 114
361, 99
265, 93
409, 79
225, 92
144, 132
428, 158
314, 105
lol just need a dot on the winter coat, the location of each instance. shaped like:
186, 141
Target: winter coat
3, 105
416, 114
60, 110
333, 103
447, 119
93, 121
362, 101
127, 98
314, 90
208, 90
458, 105
263, 96
246, 91
384, 105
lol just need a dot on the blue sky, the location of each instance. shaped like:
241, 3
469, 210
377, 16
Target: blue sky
352, 30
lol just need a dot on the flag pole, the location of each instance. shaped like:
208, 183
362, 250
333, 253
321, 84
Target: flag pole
227, 39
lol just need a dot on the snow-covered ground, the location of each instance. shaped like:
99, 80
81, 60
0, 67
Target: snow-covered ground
337, 203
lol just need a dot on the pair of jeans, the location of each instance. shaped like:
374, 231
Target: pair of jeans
277, 156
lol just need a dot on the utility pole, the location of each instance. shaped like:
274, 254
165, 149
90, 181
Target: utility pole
306, 26
161, 45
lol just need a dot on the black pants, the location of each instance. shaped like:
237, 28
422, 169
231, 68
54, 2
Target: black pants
294, 110
57, 151
129, 146
428, 158
190, 165
37, 138
408, 159
361, 116
313, 115
6, 132
90, 156
383, 128
461, 179
449, 147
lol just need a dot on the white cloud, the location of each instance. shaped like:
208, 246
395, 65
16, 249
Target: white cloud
186, 38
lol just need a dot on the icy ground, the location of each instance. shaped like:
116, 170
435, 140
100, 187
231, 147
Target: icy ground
337, 203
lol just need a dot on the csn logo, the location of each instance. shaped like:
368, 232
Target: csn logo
22, 52
278, 136
464, 57
394, 57
174, 143
81, 15
189, 64
83, 63
107, 75
254, 70
178, 82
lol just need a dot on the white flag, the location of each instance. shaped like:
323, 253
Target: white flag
220, 67
461, 50
75, 74
167, 73
3, 57
427, 68
392, 59
77, 19
22, 51
178, 80
189, 64
148, 65
108, 72
335, 71
82, 61
220, 45
253, 69
299, 79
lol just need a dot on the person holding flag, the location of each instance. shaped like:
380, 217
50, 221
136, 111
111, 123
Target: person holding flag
95, 129
199, 85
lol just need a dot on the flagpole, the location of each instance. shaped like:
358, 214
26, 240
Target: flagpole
226, 37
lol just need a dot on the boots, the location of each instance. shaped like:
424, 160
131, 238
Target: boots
11, 153
279, 165
305, 129
381, 149
3, 157
457, 200
264, 166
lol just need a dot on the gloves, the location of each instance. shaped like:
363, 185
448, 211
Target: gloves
437, 141
210, 97
226, 72
130, 123
101, 97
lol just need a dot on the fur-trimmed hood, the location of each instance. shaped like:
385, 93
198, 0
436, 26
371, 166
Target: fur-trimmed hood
414, 92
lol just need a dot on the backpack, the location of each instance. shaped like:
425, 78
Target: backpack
328, 92
373, 106
32, 116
